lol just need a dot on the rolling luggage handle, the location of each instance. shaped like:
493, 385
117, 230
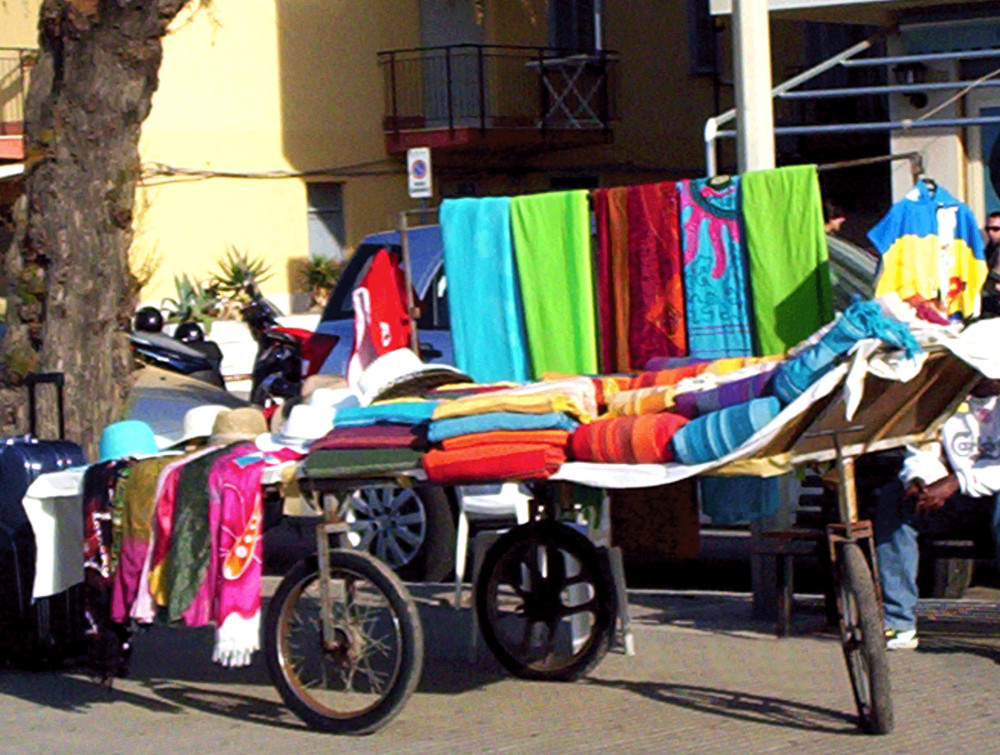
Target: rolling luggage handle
59, 380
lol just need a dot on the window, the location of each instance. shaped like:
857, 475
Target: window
326, 219
573, 25
701, 38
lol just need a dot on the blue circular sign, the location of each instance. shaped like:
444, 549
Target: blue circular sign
419, 169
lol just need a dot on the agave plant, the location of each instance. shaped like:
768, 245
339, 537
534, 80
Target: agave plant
238, 273
195, 302
320, 275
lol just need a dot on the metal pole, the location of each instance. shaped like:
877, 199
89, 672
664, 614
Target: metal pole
752, 74
803, 94
411, 308
839, 128
922, 58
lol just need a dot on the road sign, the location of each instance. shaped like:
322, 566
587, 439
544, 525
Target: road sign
418, 171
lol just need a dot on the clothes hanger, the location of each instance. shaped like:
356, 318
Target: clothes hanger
719, 180
929, 182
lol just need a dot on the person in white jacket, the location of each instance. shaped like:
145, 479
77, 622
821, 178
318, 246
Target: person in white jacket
943, 487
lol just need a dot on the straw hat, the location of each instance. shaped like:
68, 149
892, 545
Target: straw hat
400, 373
322, 380
131, 437
244, 423
305, 424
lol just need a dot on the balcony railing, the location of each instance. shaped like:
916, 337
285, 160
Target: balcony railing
491, 87
15, 71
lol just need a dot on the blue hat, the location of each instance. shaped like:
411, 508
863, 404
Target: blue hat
714, 435
131, 437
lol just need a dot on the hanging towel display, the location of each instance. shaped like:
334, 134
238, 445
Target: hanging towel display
931, 247
611, 220
484, 297
789, 273
655, 279
717, 307
552, 248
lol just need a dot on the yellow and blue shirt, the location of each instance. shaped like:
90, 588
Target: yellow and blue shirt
931, 247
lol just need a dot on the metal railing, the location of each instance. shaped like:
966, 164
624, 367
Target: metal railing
496, 86
15, 72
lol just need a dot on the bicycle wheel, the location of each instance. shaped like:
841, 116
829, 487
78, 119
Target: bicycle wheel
863, 641
362, 679
545, 602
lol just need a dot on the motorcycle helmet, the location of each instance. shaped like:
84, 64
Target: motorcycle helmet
189, 332
149, 320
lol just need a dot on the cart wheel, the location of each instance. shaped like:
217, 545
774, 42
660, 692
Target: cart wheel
863, 639
363, 679
545, 602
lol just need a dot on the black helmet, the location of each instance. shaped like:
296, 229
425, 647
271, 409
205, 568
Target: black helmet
149, 320
189, 332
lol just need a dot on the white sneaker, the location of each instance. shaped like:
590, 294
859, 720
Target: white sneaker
905, 640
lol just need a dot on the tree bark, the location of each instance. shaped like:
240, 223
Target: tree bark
72, 291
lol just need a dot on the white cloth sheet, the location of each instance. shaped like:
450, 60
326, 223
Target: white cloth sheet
54, 505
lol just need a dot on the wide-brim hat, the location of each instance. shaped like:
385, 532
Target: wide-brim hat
401, 374
305, 424
244, 423
199, 421
130, 437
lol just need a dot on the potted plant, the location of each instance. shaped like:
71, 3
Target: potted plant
319, 276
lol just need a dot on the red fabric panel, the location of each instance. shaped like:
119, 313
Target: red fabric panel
611, 216
371, 436
556, 438
493, 462
641, 439
656, 287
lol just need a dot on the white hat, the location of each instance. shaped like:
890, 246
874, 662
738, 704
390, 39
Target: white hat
199, 420
338, 398
400, 373
305, 424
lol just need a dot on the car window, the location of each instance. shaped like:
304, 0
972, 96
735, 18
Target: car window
434, 305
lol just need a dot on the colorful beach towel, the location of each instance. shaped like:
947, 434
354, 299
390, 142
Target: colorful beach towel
440, 429
642, 439
525, 461
552, 246
789, 273
911, 238
611, 219
485, 310
716, 289
656, 287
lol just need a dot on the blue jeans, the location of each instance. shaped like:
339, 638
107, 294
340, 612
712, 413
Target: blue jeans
896, 530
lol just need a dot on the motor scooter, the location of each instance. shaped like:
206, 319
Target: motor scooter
154, 347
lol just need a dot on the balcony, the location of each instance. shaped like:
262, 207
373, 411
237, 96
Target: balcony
15, 69
463, 98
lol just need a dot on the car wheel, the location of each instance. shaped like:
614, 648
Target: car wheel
412, 530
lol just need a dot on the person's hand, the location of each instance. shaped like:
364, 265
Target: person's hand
932, 497
915, 488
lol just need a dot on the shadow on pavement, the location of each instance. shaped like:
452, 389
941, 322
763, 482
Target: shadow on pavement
743, 706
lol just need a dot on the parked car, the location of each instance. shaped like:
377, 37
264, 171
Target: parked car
426, 252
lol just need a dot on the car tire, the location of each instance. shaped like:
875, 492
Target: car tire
429, 559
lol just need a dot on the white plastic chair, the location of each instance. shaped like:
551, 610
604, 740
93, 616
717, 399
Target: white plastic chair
480, 503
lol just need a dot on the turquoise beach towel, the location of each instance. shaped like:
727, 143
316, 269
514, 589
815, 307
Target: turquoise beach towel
484, 299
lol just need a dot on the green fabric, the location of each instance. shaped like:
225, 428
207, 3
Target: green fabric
552, 249
786, 245
190, 540
355, 462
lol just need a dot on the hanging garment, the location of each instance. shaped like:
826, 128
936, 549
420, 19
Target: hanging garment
931, 246
717, 307
552, 247
611, 220
135, 500
484, 298
656, 287
381, 320
786, 245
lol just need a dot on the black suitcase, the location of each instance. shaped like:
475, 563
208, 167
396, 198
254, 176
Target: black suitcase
49, 629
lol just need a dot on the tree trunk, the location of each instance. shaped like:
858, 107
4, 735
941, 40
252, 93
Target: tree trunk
72, 290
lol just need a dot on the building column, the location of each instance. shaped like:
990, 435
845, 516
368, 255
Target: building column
752, 75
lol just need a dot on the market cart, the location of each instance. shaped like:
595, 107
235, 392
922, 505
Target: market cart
345, 648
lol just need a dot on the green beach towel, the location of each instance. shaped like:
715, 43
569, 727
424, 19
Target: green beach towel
786, 245
552, 248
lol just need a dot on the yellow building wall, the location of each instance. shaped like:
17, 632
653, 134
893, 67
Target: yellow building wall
263, 86
19, 23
